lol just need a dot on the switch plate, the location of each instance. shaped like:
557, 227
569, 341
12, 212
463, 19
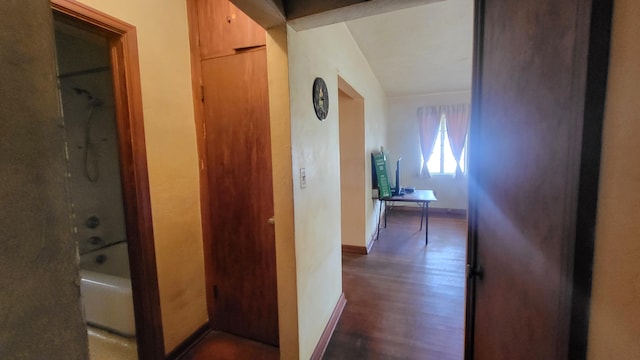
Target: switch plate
303, 178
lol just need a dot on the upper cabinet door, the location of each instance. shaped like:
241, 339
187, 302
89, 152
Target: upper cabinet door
224, 29
245, 33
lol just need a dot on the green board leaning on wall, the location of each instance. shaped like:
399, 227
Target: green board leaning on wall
381, 172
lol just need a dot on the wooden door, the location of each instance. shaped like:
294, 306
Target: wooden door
243, 271
533, 102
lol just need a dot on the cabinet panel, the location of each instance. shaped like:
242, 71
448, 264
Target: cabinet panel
213, 27
246, 32
223, 29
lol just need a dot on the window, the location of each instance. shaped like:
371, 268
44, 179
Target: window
441, 160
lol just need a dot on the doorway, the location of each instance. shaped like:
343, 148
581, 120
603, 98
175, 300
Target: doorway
107, 178
94, 186
352, 169
229, 62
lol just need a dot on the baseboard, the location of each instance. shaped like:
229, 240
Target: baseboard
321, 347
353, 249
448, 212
434, 211
184, 347
361, 250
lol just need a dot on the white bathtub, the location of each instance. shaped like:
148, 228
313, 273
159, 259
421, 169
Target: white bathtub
105, 285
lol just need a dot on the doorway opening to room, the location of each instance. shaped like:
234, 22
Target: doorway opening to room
427, 66
107, 182
353, 202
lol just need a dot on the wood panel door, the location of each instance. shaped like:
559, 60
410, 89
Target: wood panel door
243, 267
535, 109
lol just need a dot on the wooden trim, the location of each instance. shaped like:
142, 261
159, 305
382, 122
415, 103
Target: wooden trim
198, 107
442, 212
593, 112
133, 168
362, 250
91, 18
474, 126
353, 249
321, 346
191, 342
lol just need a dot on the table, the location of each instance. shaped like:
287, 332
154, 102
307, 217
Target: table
420, 197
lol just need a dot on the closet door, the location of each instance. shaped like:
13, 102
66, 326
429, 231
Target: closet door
243, 271
534, 154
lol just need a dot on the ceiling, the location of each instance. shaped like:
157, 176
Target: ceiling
415, 47
421, 50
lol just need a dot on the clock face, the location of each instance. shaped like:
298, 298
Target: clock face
320, 98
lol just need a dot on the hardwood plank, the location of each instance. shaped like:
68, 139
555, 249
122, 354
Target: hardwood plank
405, 300
222, 346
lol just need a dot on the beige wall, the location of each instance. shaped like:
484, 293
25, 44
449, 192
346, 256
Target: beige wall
165, 70
324, 52
404, 142
615, 308
279, 112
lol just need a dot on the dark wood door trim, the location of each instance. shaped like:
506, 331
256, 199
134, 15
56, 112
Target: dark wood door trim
581, 251
472, 238
133, 168
594, 105
198, 106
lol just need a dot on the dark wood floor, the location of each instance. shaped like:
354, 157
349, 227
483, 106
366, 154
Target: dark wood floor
221, 346
404, 300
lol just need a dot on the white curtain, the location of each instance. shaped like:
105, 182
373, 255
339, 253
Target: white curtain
457, 121
428, 124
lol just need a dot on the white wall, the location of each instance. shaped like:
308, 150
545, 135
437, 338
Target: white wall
101, 197
404, 142
324, 52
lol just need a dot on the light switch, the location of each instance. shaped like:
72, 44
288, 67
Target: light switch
303, 178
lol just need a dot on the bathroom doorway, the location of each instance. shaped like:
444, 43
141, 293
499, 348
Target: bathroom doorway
95, 192
107, 181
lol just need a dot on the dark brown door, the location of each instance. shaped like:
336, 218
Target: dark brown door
526, 148
241, 196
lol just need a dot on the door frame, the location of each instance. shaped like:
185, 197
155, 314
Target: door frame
599, 39
133, 167
354, 102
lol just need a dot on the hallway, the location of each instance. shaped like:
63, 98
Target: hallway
404, 301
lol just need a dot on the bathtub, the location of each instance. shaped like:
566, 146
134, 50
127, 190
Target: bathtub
105, 285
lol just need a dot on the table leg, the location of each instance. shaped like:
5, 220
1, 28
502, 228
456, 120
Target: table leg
425, 211
421, 215
379, 216
385, 214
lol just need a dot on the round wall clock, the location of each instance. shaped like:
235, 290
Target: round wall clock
320, 98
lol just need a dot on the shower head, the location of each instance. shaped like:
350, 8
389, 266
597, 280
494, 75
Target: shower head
93, 101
